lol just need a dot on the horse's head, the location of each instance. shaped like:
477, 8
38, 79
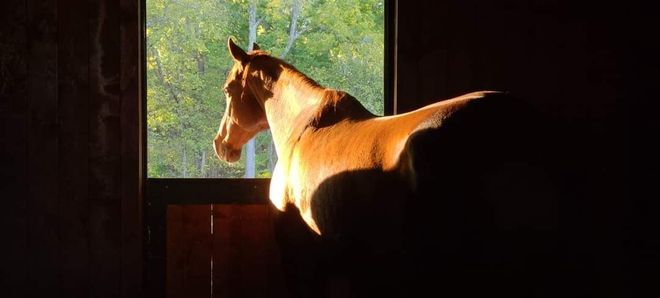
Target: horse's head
244, 114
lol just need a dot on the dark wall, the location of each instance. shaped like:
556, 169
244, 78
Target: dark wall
563, 57
69, 108
70, 149
590, 69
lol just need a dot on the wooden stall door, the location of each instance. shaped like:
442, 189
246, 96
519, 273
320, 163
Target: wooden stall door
222, 250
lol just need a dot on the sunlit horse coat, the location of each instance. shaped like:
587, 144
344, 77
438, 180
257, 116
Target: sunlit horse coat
374, 181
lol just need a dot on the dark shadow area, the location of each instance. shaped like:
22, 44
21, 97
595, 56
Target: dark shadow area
506, 205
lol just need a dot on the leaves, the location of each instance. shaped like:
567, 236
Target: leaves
340, 45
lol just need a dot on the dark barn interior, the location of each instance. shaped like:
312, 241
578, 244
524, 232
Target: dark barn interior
70, 104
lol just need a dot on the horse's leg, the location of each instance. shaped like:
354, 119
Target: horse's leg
300, 252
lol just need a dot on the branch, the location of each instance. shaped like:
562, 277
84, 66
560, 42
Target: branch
161, 76
294, 33
301, 31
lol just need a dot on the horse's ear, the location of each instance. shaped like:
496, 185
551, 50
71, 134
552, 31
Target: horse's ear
255, 46
236, 52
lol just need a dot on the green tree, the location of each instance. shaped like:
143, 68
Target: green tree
338, 43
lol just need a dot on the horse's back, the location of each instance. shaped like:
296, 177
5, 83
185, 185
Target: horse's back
485, 204
483, 132
482, 216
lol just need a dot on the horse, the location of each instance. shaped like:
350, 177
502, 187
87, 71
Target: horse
375, 184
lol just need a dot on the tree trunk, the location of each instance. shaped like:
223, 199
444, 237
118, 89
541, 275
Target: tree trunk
185, 163
201, 65
252, 38
252, 28
160, 72
294, 33
202, 165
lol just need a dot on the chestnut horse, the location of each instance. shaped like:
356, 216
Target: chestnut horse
357, 178
317, 132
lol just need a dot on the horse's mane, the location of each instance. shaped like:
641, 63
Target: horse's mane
271, 65
335, 105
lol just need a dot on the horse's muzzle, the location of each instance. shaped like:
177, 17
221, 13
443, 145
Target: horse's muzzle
224, 152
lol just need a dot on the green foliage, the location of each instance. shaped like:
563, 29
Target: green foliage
340, 45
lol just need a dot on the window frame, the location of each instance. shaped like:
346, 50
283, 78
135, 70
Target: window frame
158, 193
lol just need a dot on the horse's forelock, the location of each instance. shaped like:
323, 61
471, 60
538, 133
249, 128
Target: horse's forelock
235, 73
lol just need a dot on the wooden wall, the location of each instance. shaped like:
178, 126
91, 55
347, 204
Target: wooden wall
564, 57
69, 102
590, 67
223, 250
69, 106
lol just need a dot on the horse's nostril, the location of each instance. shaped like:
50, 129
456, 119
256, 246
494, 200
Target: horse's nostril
233, 155
225, 152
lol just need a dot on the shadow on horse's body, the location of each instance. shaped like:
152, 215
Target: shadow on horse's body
458, 198
482, 220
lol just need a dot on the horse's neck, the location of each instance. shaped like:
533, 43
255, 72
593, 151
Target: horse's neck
291, 106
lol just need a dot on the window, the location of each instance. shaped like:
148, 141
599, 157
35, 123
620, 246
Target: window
342, 44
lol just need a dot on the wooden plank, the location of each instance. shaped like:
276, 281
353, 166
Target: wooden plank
197, 225
161, 192
156, 262
13, 152
246, 260
131, 167
175, 248
104, 149
225, 253
189, 251
42, 207
73, 149
209, 191
272, 260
